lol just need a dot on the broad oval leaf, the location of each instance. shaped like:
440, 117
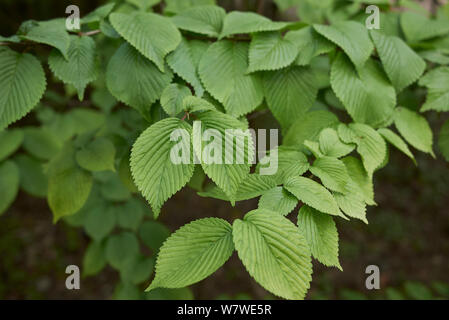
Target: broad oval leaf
437, 83
278, 200
206, 20
10, 141
98, 155
121, 248
275, 254
172, 98
9, 184
332, 173
192, 253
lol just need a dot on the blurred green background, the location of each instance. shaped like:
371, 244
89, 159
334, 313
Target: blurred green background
408, 234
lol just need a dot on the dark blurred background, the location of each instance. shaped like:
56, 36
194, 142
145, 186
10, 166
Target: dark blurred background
408, 234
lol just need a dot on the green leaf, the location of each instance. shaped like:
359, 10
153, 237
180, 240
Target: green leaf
69, 186
121, 248
321, 234
278, 200
274, 252
401, 64
237, 22
22, 84
370, 144
290, 93
32, 177
437, 83
144, 5
352, 202
443, 141
153, 170
366, 93
51, 32
100, 221
206, 20
137, 270
178, 6
417, 27
172, 98
112, 188
309, 126
98, 155
313, 194
153, 234
253, 186
80, 66
226, 170
270, 51
222, 71
134, 80
194, 104
332, 146
352, 37
94, 259
10, 141
151, 34
415, 129
98, 14
396, 141
41, 142
332, 173
9, 184
193, 253
130, 215
309, 44
182, 62
359, 175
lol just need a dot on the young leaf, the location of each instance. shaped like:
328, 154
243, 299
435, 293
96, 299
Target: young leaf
193, 253
437, 83
9, 184
222, 71
443, 141
352, 37
51, 32
366, 93
206, 20
278, 200
134, 80
332, 146
274, 252
10, 141
194, 104
415, 129
309, 44
69, 186
182, 62
226, 172
98, 155
290, 93
402, 65
352, 202
313, 194
396, 141
359, 176
417, 27
152, 35
269, 51
237, 22
332, 173
172, 98
321, 234
153, 170
22, 84
80, 66
370, 144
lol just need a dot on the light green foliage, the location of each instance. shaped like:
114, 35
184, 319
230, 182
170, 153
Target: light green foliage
352, 37
206, 20
97, 155
278, 200
237, 22
290, 93
360, 177
313, 194
270, 51
80, 66
365, 92
172, 98
402, 65
41, 143
332, 173
332, 146
396, 141
152, 35
177, 6
192, 253
9, 184
135, 80
222, 71
415, 129
22, 84
417, 27
156, 176
437, 83
275, 254
321, 235
10, 141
